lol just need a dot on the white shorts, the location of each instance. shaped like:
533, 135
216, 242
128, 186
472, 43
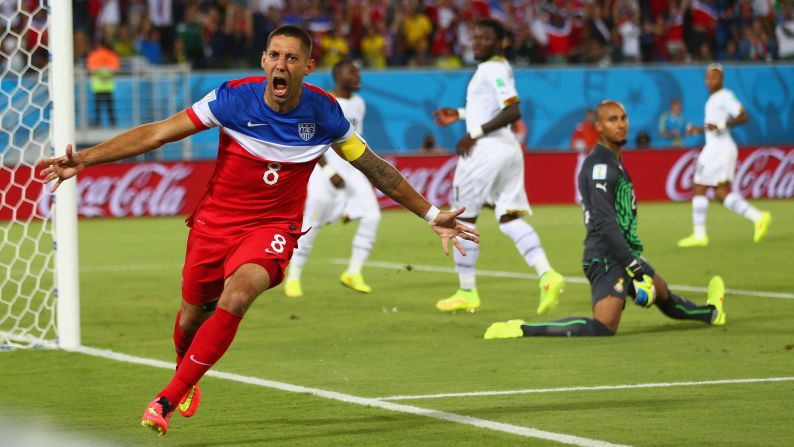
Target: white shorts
493, 174
327, 204
716, 163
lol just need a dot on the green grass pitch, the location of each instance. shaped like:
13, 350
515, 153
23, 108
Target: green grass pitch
394, 342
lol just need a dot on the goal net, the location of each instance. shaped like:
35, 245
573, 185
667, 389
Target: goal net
28, 287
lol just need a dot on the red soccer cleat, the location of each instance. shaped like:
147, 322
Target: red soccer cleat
156, 415
190, 401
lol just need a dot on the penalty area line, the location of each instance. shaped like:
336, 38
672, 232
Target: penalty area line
587, 388
364, 401
569, 279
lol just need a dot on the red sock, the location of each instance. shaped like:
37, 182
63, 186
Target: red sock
181, 340
209, 344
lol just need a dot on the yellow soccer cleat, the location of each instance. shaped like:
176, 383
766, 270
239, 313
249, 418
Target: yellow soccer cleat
716, 297
461, 300
507, 329
355, 282
551, 284
292, 288
693, 241
762, 226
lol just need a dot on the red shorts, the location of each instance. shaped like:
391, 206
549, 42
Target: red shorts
210, 259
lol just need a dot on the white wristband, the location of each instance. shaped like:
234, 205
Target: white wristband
329, 170
722, 126
476, 133
431, 214
461, 113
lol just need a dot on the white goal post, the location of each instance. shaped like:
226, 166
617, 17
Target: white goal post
39, 280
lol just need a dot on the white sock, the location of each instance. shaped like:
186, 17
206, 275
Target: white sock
301, 255
528, 244
738, 205
363, 242
466, 266
700, 207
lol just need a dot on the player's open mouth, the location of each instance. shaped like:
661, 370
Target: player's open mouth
279, 86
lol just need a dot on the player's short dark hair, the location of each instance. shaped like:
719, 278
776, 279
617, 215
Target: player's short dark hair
337, 68
296, 32
495, 26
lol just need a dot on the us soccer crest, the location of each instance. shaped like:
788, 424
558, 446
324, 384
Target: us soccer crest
306, 130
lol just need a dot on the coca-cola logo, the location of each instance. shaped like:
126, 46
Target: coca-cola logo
765, 172
150, 189
435, 183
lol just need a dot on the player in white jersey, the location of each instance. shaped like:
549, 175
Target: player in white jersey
337, 191
717, 162
490, 170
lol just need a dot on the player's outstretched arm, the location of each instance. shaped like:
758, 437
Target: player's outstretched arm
133, 142
386, 178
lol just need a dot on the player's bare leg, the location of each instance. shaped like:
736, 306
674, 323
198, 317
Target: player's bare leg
210, 342
466, 298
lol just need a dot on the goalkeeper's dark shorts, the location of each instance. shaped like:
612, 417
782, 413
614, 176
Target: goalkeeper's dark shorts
607, 279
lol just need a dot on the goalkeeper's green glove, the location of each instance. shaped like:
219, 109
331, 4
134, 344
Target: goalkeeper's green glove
641, 274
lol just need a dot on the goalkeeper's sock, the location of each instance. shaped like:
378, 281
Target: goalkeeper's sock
738, 205
210, 343
466, 266
682, 309
527, 243
700, 208
181, 339
567, 327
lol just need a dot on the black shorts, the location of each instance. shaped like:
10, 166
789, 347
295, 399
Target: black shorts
607, 279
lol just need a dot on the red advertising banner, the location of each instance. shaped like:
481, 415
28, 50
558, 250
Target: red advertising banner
173, 188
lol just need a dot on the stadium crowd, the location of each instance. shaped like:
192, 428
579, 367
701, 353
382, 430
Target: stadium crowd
386, 33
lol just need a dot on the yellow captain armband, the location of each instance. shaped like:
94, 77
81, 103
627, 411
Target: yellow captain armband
350, 149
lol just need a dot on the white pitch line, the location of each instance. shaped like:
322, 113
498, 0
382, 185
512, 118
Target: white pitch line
587, 388
570, 279
364, 401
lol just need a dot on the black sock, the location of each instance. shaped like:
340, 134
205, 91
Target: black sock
682, 309
568, 327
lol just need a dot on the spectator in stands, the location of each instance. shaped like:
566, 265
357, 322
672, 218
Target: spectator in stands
674, 31
643, 140
628, 33
150, 47
191, 31
373, 46
784, 31
585, 136
103, 63
334, 47
672, 124
429, 146
415, 30
123, 44
559, 32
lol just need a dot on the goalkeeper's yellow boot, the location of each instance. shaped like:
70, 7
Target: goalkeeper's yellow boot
693, 241
157, 414
716, 297
762, 226
461, 300
355, 282
551, 284
188, 406
292, 288
506, 329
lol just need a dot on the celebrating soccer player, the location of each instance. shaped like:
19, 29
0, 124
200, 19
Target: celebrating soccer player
490, 170
717, 162
612, 259
273, 130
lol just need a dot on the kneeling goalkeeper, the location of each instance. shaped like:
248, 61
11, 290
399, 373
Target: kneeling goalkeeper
612, 258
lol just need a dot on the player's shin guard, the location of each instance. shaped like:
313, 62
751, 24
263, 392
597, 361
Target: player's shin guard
363, 242
738, 205
210, 343
567, 327
527, 243
466, 266
682, 309
181, 339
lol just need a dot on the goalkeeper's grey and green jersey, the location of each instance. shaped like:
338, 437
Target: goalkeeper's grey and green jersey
610, 209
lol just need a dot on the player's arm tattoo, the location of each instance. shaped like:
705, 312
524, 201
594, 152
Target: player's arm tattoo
381, 174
